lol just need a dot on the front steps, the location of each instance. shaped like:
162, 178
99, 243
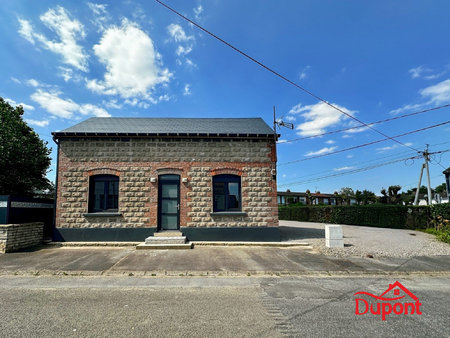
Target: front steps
168, 239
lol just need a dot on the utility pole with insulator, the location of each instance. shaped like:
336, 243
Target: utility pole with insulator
426, 156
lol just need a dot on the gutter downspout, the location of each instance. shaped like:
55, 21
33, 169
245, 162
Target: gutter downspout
56, 187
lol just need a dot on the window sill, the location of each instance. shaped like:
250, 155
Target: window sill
228, 213
103, 214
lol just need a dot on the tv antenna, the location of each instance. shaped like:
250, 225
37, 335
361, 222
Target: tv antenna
280, 123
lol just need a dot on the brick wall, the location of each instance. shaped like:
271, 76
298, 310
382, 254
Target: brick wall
17, 236
137, 160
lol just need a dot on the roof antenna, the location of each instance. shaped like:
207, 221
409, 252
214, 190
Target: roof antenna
280, 123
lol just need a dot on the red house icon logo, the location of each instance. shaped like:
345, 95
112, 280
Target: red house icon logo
393, 300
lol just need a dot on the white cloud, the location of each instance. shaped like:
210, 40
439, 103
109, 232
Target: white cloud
178, 34
68, 32
425, 73
290, 118
100, 15
383, 149
65, 108
392, 147
54, 104
438, 93
322, 151
112, 104
330, 142
357, 130
190, 63
181, 51
15, 104
97, 9
187, 90
198, 11
42, 123
133, 67
66, 73
343, 168
185, 43
90, 109
16, 80
26, 30
318, 117
164, 97
33, 83
407, 107
303, 74
349, 156
418, 71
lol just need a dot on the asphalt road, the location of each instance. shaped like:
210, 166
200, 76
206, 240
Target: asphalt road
54, 306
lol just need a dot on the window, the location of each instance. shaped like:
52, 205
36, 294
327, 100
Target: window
227, 193
103, 193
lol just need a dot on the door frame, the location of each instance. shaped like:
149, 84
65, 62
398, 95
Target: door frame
160, 183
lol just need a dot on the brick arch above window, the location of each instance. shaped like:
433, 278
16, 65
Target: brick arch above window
103, 171
226, 171
168, 171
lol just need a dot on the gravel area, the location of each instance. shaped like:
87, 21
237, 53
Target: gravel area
360, 241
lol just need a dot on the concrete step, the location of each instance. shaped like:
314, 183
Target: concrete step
165, 240
168, 233
163, 246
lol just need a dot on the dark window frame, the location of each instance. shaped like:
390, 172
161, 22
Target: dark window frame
106, 207
226, 179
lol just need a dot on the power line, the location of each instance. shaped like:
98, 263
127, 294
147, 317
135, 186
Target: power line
371, 123
408, 153
363, 145
355, 171
403, 153
283, 77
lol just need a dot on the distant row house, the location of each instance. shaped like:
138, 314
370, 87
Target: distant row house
306, 198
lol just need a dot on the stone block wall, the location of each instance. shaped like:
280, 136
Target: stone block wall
136, 160
18, 236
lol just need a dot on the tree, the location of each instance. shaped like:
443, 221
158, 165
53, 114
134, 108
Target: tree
441, 189
24, 157
358, 196
347, 194
384, 198
368, 197
393, 190
338, 198
309, 198
408, 197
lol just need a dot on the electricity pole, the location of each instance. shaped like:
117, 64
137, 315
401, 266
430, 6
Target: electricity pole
426, 156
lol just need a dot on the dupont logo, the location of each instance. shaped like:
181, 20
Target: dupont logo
397, 300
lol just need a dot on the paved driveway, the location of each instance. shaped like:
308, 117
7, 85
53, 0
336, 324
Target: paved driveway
202, 261
361, 241
391, 251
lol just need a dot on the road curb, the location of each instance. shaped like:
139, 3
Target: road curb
213, 274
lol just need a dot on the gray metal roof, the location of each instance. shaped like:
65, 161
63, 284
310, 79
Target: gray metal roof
118, 126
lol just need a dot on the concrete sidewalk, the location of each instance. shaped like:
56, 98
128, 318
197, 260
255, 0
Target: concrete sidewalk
208, 261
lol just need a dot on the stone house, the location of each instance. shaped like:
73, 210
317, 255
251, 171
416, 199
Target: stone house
123, 179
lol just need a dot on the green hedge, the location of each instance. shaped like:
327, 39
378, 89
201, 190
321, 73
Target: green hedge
376, 215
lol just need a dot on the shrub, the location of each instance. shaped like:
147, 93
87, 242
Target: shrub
377, 215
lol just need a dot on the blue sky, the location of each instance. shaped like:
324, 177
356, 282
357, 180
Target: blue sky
66, 61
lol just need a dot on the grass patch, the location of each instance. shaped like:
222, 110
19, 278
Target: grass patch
442, 235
